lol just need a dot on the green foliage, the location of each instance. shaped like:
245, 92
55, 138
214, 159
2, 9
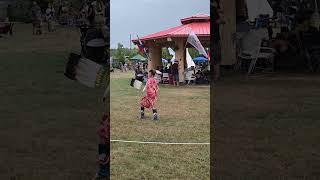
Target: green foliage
193, 52
121, 52
166, 54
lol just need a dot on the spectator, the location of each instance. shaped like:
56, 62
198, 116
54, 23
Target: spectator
36, 18
175, 73
50, 16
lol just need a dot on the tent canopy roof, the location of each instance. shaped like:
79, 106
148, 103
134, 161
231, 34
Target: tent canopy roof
138, 57
199, 24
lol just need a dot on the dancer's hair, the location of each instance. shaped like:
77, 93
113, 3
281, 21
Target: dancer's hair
153, 72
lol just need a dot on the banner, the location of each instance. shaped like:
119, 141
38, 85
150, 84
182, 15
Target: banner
190, 62
172, 53
142, 48
195, 42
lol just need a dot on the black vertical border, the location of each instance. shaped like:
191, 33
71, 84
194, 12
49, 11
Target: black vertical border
107, 97
211, 96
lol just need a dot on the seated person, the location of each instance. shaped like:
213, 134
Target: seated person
189, 72
199, 77
166, 70
139, 75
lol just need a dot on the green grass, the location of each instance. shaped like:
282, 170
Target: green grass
267, 127
48, 122
184, 117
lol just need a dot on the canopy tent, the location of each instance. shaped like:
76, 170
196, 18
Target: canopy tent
138, 57
200, 59
257, 7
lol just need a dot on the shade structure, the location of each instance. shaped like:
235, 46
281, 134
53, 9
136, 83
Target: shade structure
138, 57
200, 59
176, 38
199, 24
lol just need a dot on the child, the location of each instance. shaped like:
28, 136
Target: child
104, 148
149, 100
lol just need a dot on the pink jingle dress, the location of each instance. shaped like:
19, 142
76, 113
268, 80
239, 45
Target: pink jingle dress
149, 100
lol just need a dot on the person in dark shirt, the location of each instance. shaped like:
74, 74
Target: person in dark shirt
175, 73
270, 30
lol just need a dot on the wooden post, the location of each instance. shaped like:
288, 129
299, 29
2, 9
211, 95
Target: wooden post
180, 57
228, 30
155, 57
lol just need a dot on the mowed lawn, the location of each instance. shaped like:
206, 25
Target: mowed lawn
267, 127
184, 114
47, 122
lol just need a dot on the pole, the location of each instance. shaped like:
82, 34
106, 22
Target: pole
130, 42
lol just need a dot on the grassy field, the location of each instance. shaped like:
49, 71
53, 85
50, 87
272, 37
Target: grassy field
267, 127
184, 117
48, 123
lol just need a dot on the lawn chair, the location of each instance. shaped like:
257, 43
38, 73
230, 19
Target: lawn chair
252, 51
158, 76
165, 78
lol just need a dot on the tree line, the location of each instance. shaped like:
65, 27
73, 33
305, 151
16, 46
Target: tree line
120, 53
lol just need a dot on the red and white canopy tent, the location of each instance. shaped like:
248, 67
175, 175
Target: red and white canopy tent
176, 38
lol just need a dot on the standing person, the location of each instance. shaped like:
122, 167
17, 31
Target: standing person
125, 67
84, 22
217, 20
91, 14
175, 73
145, 67
36, 18
64, 13
50, 16
149, 100
270, 30
71, 15
9, 11
121, 67
97, 12
104, 148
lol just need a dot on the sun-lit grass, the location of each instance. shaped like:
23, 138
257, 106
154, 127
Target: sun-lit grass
184, 117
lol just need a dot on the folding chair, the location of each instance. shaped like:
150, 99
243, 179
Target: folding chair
165, 78
252, 51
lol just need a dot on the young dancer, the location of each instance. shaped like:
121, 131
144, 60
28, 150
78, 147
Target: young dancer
148, 101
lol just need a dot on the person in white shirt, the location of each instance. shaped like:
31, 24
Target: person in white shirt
50, 16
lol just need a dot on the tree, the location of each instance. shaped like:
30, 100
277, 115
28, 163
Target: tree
166, 54
120, 53
193, 52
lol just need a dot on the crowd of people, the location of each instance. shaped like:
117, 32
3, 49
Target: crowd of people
169, 73
91, 13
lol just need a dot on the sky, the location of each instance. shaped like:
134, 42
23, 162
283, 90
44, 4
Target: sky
143, 17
